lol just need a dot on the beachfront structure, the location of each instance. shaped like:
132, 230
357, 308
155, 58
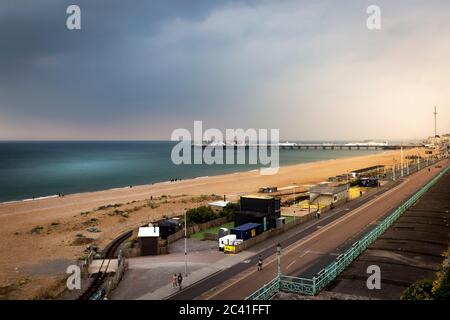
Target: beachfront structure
368, 182
373, 171
268, 189
218, 206
148, 239
169, 227
328, 194
341, 178
438, 142
247, 231
262, 209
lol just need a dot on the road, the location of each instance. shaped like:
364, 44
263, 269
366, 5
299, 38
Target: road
313, 246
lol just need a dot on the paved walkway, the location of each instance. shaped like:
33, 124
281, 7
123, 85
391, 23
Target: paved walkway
150, 278
199, 275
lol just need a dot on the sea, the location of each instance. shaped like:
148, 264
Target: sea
46, 168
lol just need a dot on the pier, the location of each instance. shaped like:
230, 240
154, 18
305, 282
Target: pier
282, 146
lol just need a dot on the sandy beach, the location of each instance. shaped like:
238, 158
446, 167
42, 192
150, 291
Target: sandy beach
39, 238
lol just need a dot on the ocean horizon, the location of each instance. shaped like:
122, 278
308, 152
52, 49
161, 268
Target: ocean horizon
45, 168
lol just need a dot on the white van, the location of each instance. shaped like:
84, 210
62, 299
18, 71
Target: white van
226, 241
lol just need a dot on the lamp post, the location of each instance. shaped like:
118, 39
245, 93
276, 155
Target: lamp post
407, 167
294, 196
185, 243
401, 161
279, 264
393, 171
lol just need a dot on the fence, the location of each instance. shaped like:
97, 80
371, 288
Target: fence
325, 276
112, 281
412, 166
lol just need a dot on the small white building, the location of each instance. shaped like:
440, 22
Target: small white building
148, 238
218, 205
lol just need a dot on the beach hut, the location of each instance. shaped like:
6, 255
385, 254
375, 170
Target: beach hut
268, 189
148, 238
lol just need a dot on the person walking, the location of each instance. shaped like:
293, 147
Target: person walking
180, 280
174, 280
260, 263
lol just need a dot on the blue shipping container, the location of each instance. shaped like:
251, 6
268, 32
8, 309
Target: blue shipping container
247, 231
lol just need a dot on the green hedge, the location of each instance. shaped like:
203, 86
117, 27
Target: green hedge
204, 214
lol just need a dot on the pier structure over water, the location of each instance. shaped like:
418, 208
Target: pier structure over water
314, 146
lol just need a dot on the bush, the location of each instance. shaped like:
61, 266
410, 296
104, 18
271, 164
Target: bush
37, 230
115, 205
442, 290
204, 214
152, 204
230, 211
200, 215
420, 290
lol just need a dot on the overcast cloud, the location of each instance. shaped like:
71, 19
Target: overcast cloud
140, 69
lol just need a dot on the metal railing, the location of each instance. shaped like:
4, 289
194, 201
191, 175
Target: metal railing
293, 284
325, 276
266, 291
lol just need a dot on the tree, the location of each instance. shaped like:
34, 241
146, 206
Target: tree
230, 211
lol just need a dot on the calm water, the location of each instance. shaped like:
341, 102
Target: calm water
39, 169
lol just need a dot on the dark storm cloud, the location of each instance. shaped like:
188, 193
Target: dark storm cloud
139, 69
49, 71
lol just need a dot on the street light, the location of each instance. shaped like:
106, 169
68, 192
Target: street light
393, 171
279, 256
279, 265
185, 243
294, 194
401, 161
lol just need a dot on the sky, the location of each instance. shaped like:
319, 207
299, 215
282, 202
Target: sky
138, 70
